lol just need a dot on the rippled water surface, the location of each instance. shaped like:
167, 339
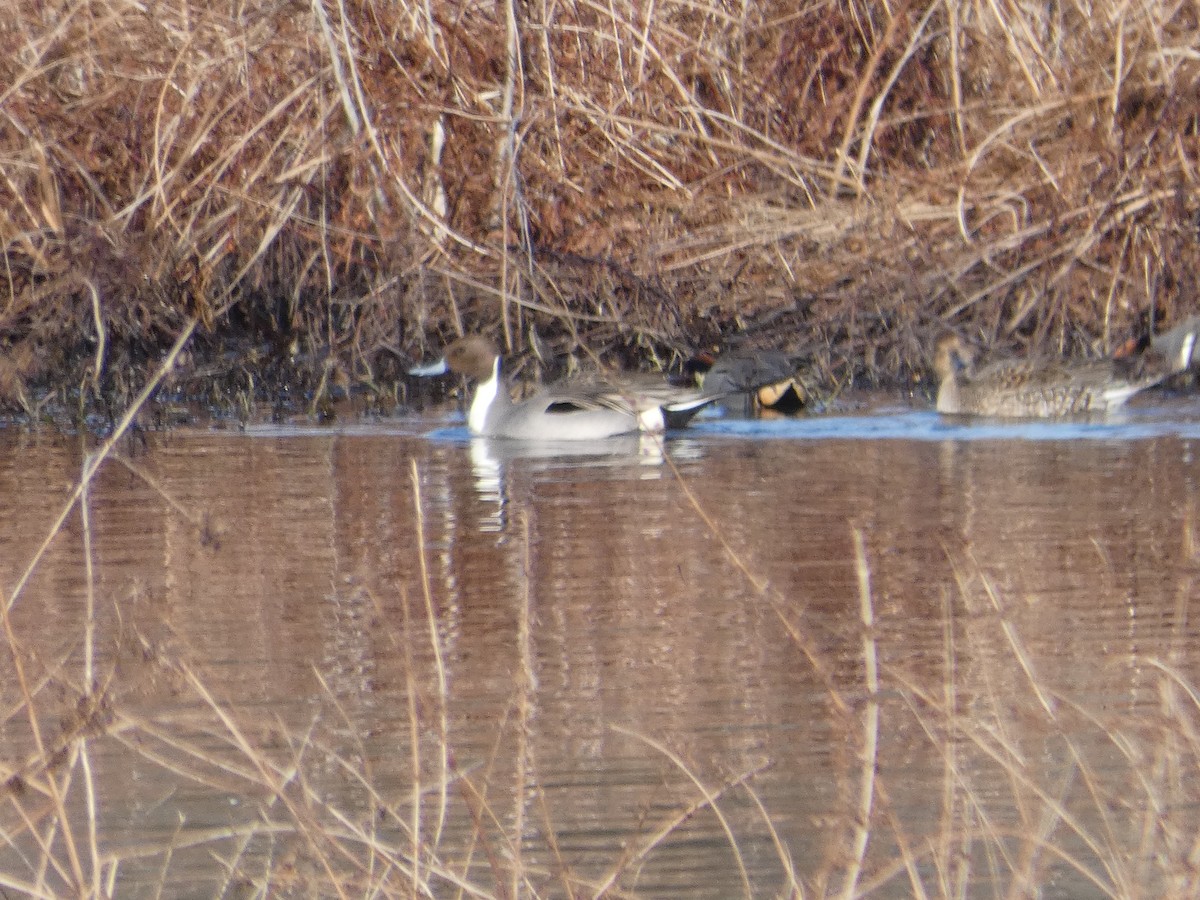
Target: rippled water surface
890, 653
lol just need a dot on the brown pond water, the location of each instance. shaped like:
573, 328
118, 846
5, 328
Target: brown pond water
650, 663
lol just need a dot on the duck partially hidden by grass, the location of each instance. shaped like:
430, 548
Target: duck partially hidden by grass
764, 379
566, 411
1046, 387
1179, 343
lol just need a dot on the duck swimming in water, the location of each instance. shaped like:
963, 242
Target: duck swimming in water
1046, 387
564, 411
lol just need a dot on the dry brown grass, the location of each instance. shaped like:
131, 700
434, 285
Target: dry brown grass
330, 187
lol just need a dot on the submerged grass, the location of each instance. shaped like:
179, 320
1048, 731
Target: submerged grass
329, 188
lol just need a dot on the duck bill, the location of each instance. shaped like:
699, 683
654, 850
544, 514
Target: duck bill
436, 368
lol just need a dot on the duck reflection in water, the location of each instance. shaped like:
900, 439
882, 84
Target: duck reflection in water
491, 460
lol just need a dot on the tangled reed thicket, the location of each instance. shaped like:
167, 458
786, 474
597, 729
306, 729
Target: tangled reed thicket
337, 185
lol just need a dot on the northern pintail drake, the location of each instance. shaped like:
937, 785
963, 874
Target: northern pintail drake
1045, 387
565, 411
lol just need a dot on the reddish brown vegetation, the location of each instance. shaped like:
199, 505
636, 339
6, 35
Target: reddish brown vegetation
334, 186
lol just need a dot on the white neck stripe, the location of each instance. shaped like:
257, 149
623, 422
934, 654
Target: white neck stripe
485, 396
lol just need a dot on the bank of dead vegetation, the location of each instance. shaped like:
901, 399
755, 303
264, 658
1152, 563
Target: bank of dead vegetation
328, 189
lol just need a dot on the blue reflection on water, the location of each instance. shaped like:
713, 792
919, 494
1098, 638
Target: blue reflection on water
454, 434
1177, 416
921, 425
911, 425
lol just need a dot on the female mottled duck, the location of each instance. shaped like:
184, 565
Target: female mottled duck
1048, 386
